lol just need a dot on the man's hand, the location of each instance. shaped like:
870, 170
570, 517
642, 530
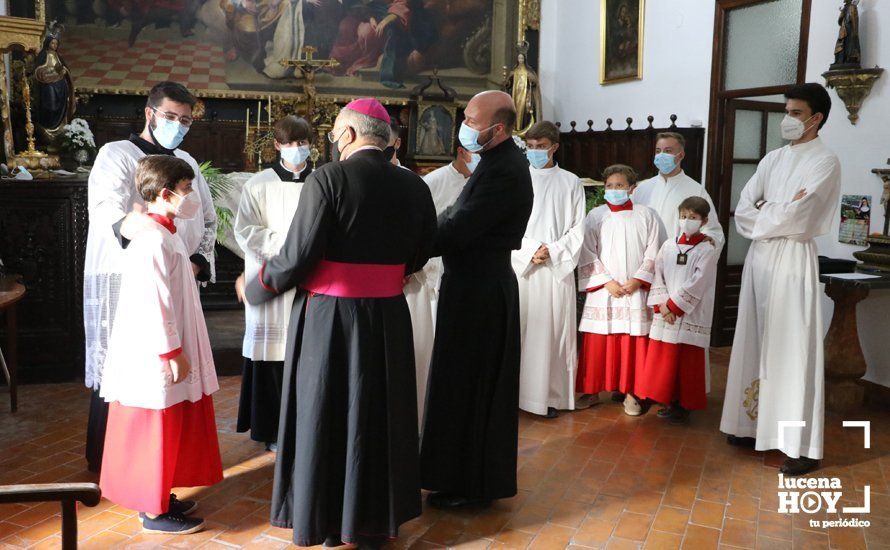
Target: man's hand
631, 286
180, 368
196, 269
541, 255
800, 194
239, 288
385, 22
616, 290
668, 317
709, 239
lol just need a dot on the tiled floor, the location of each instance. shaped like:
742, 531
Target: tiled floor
590, 479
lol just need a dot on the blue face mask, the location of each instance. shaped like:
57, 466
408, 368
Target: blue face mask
168, 134
666, 163
616, 197
295, 155
538, 158
469, 138
474, 162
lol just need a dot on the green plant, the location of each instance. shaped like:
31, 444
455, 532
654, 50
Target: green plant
220, 186
594, 196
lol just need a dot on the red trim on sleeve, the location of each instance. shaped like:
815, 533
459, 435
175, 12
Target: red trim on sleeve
173, 354
643, 283
675, 309
262, 284
657, 309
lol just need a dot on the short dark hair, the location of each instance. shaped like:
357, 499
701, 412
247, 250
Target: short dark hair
695, 204
155, 173
816, 97
622, 169
291, 128
505, 116
672, 135
395, 129
543, 130
174, 91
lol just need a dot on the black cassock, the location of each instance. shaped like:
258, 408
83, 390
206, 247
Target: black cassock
472, 423
347, 460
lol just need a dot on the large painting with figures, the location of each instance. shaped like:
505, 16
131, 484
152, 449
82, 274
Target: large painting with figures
234, 48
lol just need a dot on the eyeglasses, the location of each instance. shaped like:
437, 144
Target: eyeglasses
173, 117
332, 138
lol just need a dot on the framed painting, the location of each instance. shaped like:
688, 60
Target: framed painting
433, 132
235, 48
621, 40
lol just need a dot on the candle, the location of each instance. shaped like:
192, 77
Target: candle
259, 111
270, 110
247, 124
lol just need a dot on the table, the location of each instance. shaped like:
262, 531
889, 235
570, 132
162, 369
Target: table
8, 300
844, 361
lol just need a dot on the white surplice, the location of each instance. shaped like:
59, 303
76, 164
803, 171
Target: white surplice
664, 195
618, 246
264, 216
422, 290
158, 311
776, 371
690, 287
111, 193
547, 292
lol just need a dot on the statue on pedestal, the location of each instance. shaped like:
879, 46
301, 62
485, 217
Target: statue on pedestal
54, 89
522, 85
847, 54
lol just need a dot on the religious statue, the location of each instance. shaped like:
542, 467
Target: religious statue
55, 90
522, 84
847, 54
885, 202
430, 142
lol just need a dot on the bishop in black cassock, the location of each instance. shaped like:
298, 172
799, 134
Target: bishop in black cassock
347, 466
472, 423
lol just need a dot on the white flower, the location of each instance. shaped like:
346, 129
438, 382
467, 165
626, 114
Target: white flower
79, 134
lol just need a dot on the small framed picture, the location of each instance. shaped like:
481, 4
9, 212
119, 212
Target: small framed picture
433, 132
621, 40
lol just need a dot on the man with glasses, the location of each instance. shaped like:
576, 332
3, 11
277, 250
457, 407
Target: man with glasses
111, 196
347, 467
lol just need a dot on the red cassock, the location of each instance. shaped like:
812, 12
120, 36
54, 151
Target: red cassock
674, 372
610, 362
156, 450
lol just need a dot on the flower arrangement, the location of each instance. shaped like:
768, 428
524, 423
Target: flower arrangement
78, 136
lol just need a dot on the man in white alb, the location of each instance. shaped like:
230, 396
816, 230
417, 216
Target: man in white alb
664, 193
776, 371
422, 289
545, 268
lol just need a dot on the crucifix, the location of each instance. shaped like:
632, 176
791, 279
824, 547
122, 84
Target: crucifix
308, 66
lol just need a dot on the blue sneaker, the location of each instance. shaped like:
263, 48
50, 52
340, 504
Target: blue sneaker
184, 507
170, 523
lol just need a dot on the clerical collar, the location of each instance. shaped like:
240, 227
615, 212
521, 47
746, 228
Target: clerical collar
666, 179
164, 221
148, 147
629, 205
697, 238
287, 175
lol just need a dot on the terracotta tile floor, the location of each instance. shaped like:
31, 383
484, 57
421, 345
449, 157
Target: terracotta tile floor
590, 479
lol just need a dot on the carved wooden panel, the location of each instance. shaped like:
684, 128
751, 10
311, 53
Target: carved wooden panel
43, 228
587, 152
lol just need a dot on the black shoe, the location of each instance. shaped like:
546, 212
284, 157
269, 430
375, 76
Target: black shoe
447, 500
679, 415
170, 524
272, 446
370, 543
747, 442
332, 541
798, 466
618, 397
184, 507
551, 413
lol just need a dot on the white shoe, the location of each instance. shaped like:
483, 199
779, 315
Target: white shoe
586, 401
632, 407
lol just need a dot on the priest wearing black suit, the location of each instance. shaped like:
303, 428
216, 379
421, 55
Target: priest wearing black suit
472, 424
347, 466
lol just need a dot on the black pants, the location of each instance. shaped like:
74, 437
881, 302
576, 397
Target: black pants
96, 432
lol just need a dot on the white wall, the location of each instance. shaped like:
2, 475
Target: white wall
676, 65
676, 79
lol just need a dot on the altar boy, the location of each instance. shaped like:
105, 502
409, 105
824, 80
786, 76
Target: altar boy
159, 373
617, 265
683, 300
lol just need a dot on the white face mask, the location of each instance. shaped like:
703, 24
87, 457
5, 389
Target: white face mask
689, 227
792, 128
188, 206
